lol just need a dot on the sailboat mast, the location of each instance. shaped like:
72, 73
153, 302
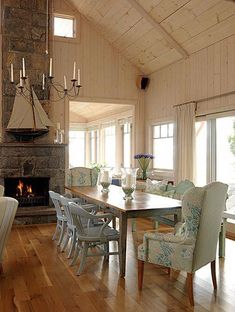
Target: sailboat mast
32, 104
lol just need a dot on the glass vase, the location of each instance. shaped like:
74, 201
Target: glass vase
144, 174
128, 181
105, 179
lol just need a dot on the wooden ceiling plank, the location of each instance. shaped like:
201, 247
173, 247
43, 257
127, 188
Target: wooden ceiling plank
132, 35
162, 61
125, 23
212, 35
174, 44
143, 43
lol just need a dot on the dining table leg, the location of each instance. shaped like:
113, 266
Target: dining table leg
123, 238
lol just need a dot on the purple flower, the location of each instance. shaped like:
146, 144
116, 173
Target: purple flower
146, 156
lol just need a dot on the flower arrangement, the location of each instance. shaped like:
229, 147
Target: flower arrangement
144, 161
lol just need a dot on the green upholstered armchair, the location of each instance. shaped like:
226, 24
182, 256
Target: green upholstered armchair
194, 242
8, 207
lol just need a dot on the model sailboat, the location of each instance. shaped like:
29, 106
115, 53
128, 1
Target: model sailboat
28, 119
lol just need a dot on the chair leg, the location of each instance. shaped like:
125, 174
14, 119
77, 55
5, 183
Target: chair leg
83, 258
140, 273
66, 241
190, 288
56, 230
73, 243
75, 255
106, 248
61, 233
213, 274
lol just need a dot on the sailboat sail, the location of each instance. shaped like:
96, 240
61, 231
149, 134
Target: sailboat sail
28, 113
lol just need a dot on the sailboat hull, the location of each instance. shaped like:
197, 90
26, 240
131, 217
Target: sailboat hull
27, 134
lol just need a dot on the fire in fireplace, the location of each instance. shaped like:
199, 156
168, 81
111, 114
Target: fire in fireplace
29, 191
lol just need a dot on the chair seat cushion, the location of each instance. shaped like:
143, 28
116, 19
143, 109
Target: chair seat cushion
93, 233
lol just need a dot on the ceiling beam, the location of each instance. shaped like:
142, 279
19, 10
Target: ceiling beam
172, 42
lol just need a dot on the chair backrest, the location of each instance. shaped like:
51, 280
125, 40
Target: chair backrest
55, 197
82, 176
213, 206
1, 190
64, 201
80, 219
8, 207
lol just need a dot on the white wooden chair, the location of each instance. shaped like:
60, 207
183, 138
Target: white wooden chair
90, 236
70, 232
61, 218
8, 207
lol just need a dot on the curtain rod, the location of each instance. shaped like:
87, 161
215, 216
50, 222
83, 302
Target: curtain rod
205, 99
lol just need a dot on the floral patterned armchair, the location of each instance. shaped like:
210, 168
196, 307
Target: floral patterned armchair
194, 241
82, 176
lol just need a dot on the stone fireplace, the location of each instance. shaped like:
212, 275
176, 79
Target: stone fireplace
24, 35
31, 163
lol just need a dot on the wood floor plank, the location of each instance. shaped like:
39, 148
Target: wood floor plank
37, 277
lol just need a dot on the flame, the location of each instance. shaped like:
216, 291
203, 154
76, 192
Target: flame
20, 187
29, 189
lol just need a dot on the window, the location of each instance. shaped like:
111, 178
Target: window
94, 146
126, 133
163, 146
77, 149
64, 26
215, 154
110, 146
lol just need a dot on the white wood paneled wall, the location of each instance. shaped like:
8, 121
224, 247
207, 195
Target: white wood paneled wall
105, 73
204, 74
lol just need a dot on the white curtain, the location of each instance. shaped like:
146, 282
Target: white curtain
184, 142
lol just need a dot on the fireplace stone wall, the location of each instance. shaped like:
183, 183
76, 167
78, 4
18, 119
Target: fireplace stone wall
34, 160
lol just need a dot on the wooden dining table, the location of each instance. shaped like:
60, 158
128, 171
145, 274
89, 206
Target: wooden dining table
142, 205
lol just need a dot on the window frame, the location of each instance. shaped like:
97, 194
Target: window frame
131, 142
76, 26
163, 123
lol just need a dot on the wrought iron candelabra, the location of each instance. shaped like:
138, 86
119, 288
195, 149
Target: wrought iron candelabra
25, 89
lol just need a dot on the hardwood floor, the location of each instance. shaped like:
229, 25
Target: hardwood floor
38, 278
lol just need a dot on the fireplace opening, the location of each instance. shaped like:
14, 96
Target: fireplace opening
29, 191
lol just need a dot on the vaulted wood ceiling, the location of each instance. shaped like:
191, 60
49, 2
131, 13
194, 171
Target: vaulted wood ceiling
152, 34
88, 112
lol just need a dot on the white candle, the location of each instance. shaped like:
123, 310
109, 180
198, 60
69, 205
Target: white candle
50, 68
43, 81
21, 81
12, 73
23, 67
65, 83
105, 177
74, 70
128, 180
58, 126
79, 78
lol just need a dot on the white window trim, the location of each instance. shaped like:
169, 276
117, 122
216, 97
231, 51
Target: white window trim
76, 25
160, 173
